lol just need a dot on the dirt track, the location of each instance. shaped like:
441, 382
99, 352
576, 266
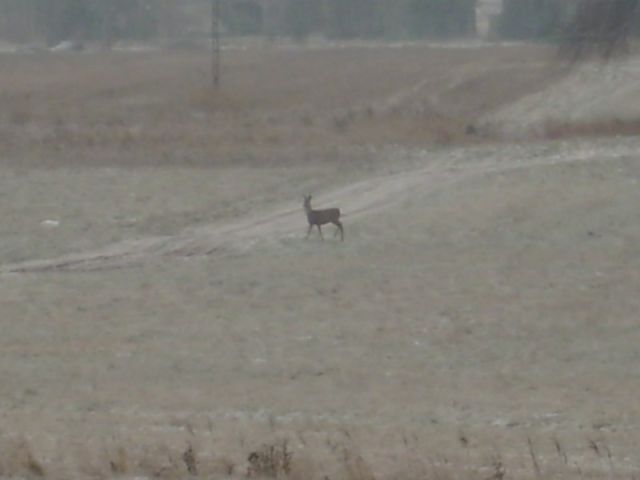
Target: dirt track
367, 197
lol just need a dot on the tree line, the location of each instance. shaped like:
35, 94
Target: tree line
602, 27
379, 18
110, 20
106, 21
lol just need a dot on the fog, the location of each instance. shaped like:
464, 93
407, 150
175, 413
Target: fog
48, 23
397, 240
107, 21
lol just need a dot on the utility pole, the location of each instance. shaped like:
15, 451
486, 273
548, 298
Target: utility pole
215, 43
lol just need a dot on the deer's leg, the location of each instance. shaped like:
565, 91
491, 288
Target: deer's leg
338, 224
308, 231
320, 232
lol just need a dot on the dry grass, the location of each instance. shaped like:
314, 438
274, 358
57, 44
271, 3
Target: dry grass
18, 459
84, 109
337, 459
586, 129
270, 461
294, 360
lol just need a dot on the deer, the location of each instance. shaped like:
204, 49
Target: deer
322, 217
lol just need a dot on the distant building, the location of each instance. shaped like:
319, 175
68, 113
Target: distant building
487, 13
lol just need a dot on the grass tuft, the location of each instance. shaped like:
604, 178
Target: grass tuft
270, 461
119, 465
189, 459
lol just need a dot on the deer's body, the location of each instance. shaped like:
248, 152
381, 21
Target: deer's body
322, 217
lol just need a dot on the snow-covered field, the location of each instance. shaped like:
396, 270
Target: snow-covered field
591, 93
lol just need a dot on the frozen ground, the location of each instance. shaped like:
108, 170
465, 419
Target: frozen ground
480, 317
484, 290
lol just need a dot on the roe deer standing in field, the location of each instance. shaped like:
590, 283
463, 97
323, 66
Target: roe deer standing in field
321, 217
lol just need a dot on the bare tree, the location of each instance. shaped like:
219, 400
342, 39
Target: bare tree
600, 28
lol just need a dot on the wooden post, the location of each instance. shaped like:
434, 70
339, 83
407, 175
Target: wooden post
215, 43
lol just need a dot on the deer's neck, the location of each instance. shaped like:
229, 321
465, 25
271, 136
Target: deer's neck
309, 212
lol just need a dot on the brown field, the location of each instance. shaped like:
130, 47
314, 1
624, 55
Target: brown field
162, 316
